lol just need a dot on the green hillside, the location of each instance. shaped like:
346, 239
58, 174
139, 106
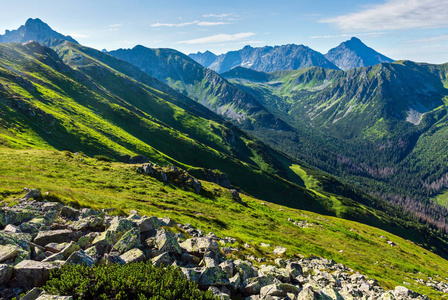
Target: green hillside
78, 100
381, 128
79, 180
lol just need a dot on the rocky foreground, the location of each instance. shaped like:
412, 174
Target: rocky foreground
39, 236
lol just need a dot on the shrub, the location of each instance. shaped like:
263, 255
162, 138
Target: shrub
130, 281
103, 158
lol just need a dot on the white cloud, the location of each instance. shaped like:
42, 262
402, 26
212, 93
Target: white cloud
211, 23
174, 24
437, 38
219, 38
346, 35
116, 25
199, 23
396, 14
224, 15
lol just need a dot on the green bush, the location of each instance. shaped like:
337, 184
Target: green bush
103, 158
131, 281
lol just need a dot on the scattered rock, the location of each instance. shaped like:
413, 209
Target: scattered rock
63, 235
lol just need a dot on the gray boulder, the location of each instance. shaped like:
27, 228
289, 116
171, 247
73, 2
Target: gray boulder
253, 285
129, 240
214, 276
167, 242
200, 245
163, 259
308, 293
5, 273
80, 258
30, 273
133, 255
281, 274
8, 252
69, 213
110, 237
53, 236
245, 269
21, 240
193, 274
146, 224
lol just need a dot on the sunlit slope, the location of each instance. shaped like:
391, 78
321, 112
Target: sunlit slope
79, 180
78, 99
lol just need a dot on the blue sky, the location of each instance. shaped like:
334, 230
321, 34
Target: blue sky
401, 29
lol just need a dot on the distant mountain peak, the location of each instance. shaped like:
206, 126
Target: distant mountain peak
33, 30
354, 53
266, 59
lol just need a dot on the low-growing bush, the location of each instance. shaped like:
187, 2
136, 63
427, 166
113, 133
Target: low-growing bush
130, 281
102, 158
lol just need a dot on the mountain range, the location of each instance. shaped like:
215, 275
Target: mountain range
290, 137
348, 55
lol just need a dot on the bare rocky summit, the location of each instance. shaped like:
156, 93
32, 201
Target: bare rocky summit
33, 30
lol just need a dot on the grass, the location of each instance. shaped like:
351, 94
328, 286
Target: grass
83, 181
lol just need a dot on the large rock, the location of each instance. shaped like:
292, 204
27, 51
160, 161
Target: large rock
187, 258
308, 293
245, 269
93, 222
17, 216
281, 274
64, 253
32, 194
133, 255
129, 240
272, 290
21, 240
193, 274
69, 213
166, 241
252, 286
80, 258
110, 237
30, 273
53, 236
214, 276
200, 245
227, 266
5, 273
163, 259
146, 224
8, 252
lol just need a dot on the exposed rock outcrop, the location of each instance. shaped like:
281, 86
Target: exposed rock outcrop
27, 258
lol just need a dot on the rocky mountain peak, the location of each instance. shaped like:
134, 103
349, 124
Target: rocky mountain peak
353, 54
33, 30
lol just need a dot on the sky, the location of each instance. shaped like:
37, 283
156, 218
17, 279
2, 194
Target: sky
400, 29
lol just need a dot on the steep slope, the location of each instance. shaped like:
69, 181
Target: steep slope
205, 59
381, 128
69, 100
353, 54
268, 59
33, 30
201, 84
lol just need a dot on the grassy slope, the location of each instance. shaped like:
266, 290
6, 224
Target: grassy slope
99, 110
46, 105
80, 180
358, 119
